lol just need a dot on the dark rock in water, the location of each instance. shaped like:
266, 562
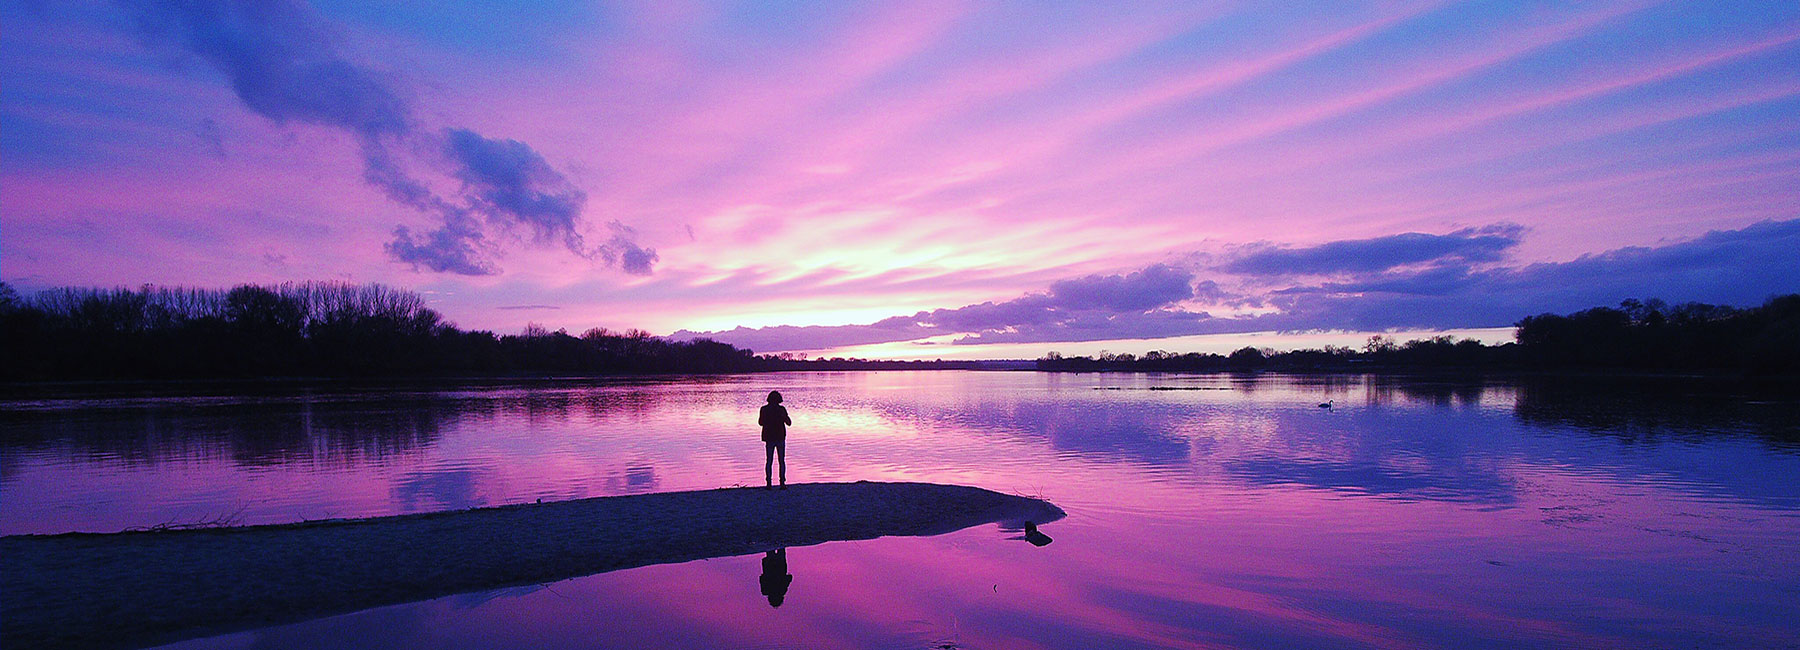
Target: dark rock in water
134, 589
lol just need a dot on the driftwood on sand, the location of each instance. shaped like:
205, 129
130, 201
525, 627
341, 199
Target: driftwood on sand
133, 589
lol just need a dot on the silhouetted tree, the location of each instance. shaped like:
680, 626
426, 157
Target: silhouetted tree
337, 329
1646, 335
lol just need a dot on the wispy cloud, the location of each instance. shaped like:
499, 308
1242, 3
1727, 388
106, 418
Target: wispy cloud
1458, 289
1377, 254
831, 163
285, 62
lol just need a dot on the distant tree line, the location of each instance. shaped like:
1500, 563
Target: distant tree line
1645, 335
330, 329
1379, 353
323, 329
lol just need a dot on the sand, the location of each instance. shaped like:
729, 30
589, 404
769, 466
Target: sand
134, 589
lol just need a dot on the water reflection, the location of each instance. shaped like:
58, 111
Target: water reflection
632, 480
1461, 483
1650, 409
447, 489
247, 434
1242, 425
775, 578
273, 429
1208, 509
1443, 392
1089, 428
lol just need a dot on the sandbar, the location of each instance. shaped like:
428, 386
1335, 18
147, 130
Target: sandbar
135, 589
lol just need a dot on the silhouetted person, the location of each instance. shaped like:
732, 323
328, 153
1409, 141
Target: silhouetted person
774, 420
775, 578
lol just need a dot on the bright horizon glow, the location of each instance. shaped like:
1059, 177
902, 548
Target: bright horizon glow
865, 176
1204, 343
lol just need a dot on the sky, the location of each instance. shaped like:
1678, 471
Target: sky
915, 179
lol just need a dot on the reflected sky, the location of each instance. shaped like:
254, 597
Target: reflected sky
1205, 510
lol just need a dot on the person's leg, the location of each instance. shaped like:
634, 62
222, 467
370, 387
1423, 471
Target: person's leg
781, 450
769, 462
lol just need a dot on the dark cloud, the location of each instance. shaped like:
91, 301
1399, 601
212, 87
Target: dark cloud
281, 61
1208, 291
1085, 303
452, 248
1154, 286
382, 170
792, 337
634, 259
284, 62
1460, 290
1378, 254
1736, 267
511, 183
1098, 326
1075, 303
623, 250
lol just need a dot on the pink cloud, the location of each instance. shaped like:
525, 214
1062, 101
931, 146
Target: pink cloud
811, 168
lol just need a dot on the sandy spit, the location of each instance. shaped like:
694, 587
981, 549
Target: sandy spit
135, 589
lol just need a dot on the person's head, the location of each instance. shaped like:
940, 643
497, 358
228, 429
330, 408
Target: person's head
774, 397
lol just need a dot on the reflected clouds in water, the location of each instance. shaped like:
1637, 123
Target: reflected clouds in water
1370, 478
443, 489
632, 480
1204, 507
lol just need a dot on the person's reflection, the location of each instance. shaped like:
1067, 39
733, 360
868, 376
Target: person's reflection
775, 578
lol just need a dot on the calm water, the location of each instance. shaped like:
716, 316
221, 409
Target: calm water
1205, 511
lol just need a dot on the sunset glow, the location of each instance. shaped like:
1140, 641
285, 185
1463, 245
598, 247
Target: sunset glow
869, 178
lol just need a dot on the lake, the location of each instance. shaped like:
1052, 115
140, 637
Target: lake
1204, 510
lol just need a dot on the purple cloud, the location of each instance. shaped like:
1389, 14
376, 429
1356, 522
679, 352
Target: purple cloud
1154, 286
794, 337
511, 183
283, 62
1736, 267
623, 249
1739, 267
451, 248
1380, 253
1076, 304
1072, 303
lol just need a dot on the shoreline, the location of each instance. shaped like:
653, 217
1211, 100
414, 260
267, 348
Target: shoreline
194, 385
142, 588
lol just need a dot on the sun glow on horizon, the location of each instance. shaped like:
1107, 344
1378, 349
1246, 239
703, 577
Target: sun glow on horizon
1309, 167
943, 347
